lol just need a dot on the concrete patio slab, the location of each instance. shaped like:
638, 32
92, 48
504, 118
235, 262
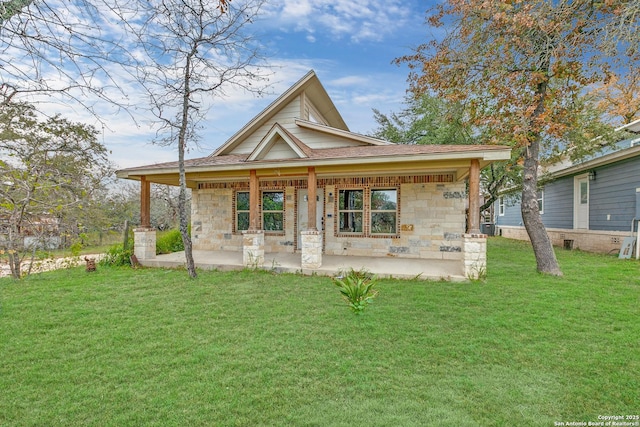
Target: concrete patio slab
402, 268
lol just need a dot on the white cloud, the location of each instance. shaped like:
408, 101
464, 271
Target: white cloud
357, 20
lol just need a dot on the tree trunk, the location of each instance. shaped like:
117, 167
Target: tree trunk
182, 197
542, 247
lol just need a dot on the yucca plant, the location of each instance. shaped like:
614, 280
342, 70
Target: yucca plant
357, 288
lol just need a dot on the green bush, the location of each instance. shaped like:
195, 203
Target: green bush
168, 242
357, 289
116, 255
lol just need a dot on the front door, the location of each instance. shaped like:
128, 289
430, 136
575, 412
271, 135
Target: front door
581, 202
303, 212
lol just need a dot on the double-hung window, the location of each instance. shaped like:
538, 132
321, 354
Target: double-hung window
273, 210
242, 210
384, 208
351, 211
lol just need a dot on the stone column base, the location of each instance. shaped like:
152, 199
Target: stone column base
144, 243
253, 248
475, 256
311, 249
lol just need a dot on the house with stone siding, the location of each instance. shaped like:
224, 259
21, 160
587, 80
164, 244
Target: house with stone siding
295, 182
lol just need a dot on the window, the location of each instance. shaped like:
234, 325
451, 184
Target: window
501, 206
584, 192
273, 210
242, 210
541, 201
350, 211
384, 205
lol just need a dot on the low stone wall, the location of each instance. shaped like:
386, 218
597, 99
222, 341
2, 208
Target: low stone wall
49, 264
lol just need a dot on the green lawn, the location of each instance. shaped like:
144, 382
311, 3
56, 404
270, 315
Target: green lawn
122, 347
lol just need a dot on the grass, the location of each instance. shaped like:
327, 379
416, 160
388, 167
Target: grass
122, 347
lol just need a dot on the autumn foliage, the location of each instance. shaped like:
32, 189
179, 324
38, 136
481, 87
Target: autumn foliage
521, 68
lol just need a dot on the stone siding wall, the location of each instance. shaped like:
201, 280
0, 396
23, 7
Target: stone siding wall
431, 223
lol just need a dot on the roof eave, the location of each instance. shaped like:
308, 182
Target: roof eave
486, 156
600, 161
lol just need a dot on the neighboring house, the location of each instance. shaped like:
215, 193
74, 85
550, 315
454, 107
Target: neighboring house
42, 233
296, 180
588, 205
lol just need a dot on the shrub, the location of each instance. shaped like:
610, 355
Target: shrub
168, 242
116, 255
357, 289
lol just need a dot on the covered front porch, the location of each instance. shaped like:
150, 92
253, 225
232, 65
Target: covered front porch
401, 268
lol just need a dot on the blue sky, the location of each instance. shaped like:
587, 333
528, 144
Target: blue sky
349, 43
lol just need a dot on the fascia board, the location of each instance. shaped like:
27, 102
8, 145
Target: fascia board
467, 155
339, 132
600, 161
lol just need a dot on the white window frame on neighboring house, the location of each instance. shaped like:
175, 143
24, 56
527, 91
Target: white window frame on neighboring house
541, 201
501, 206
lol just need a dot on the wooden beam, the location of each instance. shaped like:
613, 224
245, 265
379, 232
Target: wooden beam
254, 199
311, 196
145, 202
473, 219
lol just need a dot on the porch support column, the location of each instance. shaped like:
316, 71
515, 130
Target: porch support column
311, 238
144, 237
312, 196
474, 243
311, 249
145, 202
254, 199
473, 221
253, 238
475, 256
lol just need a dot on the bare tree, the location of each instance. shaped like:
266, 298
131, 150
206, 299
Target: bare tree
193, 53
73, 50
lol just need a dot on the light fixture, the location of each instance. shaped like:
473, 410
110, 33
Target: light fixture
592, 175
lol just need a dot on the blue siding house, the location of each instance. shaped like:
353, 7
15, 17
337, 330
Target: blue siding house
590, 205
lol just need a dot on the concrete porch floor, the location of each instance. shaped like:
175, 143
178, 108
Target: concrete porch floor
332, 265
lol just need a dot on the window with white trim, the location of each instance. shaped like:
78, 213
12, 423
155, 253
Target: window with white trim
501, 206
541, 201
273, 210
384, 209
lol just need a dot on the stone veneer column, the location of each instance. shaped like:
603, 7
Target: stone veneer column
475, 256
253, 248
311, 249
144, 243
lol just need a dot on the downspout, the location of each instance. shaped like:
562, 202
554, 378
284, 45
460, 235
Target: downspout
636, 219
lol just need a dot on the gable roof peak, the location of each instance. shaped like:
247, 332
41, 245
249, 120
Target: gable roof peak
277, 133
310, 85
